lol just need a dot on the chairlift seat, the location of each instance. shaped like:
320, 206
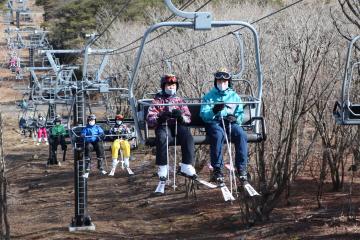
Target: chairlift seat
347, 114
197, 123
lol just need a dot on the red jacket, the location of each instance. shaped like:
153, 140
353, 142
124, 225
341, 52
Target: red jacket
155, 111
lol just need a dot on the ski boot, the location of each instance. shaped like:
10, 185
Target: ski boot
187, 170
242, 176
113, 167
162, 173
217, 176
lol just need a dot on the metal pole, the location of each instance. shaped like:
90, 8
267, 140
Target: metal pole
18, 19
82, 220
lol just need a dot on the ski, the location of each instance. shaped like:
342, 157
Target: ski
160, 187
251, 191
205, 183
226, 193
130, 172
112, 172
197, 179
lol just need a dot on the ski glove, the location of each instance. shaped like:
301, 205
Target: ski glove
218, 107
163, 117
231, 118
102, 137
176, 113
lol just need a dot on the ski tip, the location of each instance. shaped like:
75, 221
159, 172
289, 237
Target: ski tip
227, 194
207, 184
157, 194
160, 189
251, 191
130, 172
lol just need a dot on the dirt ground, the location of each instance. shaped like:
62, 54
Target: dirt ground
41, 203
41, 199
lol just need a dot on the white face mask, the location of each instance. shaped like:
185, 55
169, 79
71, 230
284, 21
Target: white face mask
118, 122
57, 123
222, 86
170, 91
92, 122
41, 118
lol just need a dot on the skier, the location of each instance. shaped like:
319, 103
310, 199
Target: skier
163, 119
22, 125
13, 63
232, 114
92, 136
121, 143
57, 136
41, 129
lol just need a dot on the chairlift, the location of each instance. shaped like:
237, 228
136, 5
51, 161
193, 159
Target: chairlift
254, 122
347, 110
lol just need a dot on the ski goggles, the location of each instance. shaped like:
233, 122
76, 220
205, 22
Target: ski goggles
170, 79
222, 75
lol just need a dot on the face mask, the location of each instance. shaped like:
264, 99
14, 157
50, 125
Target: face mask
40, 118
118, 122
222, 86
170, 91
92, 123
58, 123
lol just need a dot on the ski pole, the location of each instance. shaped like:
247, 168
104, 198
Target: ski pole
167, 148
106, 165
228, 148
174, 185
232, 163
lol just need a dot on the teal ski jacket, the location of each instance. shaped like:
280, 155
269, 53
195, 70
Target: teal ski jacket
227, 96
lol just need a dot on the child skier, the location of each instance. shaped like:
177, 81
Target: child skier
121, 143
93, 135
41, 130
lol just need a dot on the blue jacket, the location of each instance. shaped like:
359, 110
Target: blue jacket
215, 95
92, 133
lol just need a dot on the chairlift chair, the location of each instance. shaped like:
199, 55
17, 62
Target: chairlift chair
254, 121
346, 111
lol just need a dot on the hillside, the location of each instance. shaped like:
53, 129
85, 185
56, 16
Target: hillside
301, 54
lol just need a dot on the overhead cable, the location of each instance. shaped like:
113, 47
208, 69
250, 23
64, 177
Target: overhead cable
222, 36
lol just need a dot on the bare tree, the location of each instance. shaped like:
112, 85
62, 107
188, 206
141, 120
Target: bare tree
301, 47
350, 20
4, 222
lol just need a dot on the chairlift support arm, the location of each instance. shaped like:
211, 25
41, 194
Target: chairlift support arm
202, 20
347, 80
241, 55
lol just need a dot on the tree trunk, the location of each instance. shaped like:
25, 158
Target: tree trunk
5, 227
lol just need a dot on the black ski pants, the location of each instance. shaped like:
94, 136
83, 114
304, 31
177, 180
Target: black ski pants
99, 149
55, 141
184, 139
